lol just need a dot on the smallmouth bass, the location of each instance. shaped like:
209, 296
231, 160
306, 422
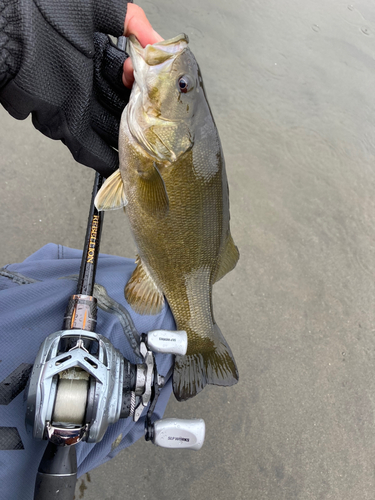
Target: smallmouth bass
173, 182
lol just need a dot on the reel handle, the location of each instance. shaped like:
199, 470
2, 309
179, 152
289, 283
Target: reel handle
167, 342
179, 433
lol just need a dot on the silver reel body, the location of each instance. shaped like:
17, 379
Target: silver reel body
98, 394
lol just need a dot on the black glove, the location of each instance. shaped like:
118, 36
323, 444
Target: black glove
57, 64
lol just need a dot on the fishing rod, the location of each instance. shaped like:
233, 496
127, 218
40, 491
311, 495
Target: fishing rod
80, 383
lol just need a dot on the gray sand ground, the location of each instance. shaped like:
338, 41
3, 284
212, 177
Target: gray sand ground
291, 86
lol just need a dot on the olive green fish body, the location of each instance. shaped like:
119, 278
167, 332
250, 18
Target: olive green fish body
175, 184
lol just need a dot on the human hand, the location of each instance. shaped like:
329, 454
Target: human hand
62, 69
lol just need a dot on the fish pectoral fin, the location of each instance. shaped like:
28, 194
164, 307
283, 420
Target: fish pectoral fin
111, 195
142, 293
228, 259
153, 191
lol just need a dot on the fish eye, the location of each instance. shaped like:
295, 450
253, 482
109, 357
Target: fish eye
185, 84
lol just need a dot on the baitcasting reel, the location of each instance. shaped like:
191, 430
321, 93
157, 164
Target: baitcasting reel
81, 383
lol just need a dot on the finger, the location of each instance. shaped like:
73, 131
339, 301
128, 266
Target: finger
136, 23
128, 75
108, 69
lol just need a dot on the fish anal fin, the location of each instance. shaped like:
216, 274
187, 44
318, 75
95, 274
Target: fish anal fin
228, 259
111, 195
215, 365
153, 191
142, 293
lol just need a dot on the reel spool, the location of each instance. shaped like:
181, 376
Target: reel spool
71, 400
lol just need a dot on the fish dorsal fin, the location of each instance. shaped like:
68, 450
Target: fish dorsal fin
228, 259
142, 293
111, 195
153, 191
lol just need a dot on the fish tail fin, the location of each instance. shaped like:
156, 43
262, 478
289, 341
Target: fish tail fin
215, 365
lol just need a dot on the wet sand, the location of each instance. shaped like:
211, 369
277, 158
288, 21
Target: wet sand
291, 86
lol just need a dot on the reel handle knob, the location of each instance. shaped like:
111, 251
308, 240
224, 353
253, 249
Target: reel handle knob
179, 433
167, 342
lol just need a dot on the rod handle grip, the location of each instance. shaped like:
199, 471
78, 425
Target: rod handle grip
57, 474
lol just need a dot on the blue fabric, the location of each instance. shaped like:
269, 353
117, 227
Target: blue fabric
28, 314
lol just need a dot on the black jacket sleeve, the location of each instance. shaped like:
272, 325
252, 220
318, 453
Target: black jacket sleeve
57, 63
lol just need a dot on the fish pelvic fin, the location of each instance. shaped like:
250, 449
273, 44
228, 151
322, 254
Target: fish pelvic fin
228, 259
141, 291
111, 195
215, 366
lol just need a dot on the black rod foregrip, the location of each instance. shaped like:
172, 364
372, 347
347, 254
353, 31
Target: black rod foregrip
57, 473
90, 252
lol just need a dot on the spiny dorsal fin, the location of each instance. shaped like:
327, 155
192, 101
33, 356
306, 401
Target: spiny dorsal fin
142, 293
111, 195
153, 191
228, 259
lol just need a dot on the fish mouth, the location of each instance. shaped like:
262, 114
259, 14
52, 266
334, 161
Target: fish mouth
152, 78
159, 52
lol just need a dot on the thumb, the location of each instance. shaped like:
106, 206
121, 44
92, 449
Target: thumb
137, 24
